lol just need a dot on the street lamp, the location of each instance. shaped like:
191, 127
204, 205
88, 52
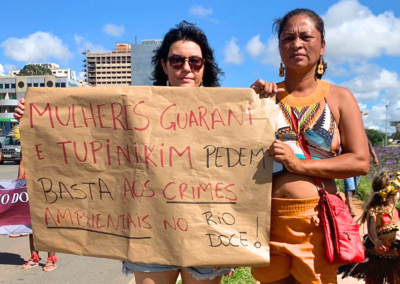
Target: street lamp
386, 127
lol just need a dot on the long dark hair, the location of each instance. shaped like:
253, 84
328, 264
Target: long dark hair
279, 24
379, 182
187, 32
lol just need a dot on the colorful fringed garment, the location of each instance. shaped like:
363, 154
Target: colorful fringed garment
315, 120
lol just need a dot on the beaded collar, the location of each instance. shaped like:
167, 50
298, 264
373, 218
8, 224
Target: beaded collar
298, 102
307, 109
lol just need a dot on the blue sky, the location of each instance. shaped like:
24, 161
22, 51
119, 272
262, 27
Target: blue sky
363, 39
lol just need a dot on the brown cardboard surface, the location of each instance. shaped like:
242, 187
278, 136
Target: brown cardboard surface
150, 174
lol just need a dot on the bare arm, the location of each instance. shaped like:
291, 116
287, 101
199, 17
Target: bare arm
21, 169
373, 154
373, 235
354, 159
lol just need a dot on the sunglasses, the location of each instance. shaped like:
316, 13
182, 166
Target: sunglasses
177, 61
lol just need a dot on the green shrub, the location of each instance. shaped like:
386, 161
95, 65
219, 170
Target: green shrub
364, 188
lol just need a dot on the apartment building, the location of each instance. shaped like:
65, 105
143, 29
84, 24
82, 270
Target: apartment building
108, 68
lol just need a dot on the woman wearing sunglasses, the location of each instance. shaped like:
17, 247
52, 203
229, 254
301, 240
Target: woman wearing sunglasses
184, 59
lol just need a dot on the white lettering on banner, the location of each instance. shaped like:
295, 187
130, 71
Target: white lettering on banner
3, 198
16, 197
22, 197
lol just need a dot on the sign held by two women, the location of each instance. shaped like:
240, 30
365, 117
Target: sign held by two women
150, 174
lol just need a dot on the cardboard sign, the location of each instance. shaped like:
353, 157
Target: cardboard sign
150, 174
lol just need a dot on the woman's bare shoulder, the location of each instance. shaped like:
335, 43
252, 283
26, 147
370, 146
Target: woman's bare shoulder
340, 94
340, 91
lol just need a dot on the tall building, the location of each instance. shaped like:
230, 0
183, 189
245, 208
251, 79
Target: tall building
108, 68
141, 61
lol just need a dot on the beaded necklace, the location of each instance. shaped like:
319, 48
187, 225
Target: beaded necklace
307, 109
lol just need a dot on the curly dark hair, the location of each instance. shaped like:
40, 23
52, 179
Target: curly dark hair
187, 32
279, 24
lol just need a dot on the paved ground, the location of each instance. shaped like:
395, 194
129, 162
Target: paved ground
8, 170
72, 269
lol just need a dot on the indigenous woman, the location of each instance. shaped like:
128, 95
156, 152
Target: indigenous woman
316, 118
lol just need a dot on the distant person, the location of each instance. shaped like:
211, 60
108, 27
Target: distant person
382, 243
15, 133
34, 259
351, 184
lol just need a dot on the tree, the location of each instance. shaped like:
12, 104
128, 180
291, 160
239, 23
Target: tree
375, 136
30, 70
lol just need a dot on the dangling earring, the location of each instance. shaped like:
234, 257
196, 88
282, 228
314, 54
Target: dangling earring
320, 70
282, 71
201, 84
167, 83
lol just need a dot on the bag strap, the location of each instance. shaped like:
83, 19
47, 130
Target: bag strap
303, 144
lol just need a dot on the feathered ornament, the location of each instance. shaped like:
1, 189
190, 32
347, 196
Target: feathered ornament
15, 133
392, 188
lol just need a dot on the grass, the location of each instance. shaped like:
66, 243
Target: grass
242, 275
363, 189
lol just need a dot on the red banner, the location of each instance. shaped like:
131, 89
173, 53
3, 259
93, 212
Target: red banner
14, 207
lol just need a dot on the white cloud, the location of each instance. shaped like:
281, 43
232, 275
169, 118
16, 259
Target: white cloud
81, 76
35, 47
370, 86
255, 47
78, 39
1, 70
354, 33
272, 56
268, 51
85, 45
114, 30
381, 88
233, 53
200, 11
376, 118
363, 107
